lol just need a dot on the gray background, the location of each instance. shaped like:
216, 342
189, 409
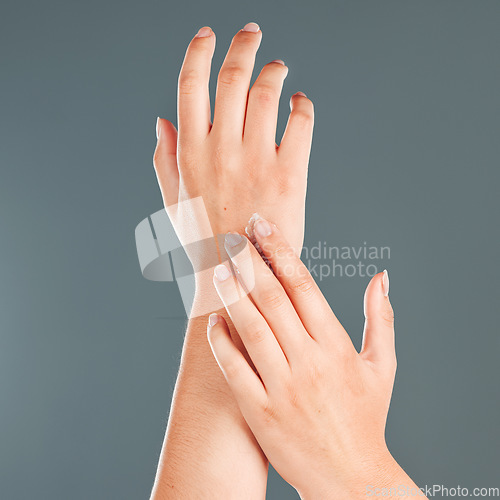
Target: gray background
405, 155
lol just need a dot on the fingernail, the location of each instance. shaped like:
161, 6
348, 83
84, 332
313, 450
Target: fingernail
300, 93
203, 32
385, 283
158, 128
263, 228
221, 272
233, 239
252, 27
213, 319
279, 61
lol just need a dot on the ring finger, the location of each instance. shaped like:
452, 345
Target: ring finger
263, 103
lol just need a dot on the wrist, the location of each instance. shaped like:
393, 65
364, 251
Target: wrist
205, 299
368, 477
199, 295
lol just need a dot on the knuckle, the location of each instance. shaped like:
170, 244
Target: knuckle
188, 160
244, 263
314, 374
264, 94
272, 299
282, 183
232, 369
255, 332
219, 154
346, 350
223, 155
302, 286
388, 316
269, 412
306, 105
291, 394
256, 159
281, 250
229, 75
302, 117
188, 82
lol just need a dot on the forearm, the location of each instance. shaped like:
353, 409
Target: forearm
208, 451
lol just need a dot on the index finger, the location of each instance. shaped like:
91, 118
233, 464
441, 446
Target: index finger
308, 300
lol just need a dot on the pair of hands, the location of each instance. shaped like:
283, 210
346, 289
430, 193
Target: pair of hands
316, 407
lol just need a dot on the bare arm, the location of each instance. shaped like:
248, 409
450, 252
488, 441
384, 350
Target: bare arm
209, 451
213, 176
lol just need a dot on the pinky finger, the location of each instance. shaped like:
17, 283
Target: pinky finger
297, 138
246, 386
165, 161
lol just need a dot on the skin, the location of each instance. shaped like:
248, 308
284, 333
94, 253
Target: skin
317, 408
234, 163
235, 167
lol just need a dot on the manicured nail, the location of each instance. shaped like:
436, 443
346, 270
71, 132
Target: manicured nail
300, 93
203, 32
262, 228
158, 128
385, 283
221, 272
279, 61
213, 319
252, 27
233, 239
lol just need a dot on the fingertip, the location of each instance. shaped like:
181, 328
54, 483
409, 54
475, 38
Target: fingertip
165, 160
158, 127
378, 337
299, 97
215, 326
213, 319
376, 281
204, 32
166, 128
251, 27
374, 293
221, 273
385, 283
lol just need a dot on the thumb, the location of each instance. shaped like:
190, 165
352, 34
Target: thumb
165, 161
378, 336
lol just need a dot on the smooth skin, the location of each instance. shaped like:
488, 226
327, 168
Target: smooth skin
316, 406
235, 165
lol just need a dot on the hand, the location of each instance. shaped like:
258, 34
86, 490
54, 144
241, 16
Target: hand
317, 408
213, 176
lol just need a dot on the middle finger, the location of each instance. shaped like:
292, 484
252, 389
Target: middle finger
268, 295
233, 82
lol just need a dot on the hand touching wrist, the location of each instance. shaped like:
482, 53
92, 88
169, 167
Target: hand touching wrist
213, 175
317, 407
